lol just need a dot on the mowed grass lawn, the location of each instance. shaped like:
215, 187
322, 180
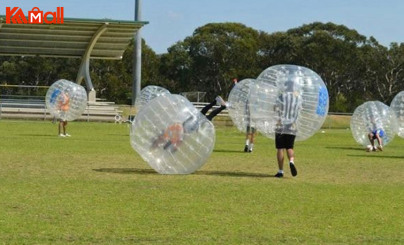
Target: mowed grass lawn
93, 188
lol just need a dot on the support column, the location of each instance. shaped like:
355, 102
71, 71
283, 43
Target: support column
84, 70
137, 57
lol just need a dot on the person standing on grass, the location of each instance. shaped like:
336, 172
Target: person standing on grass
64, 106
288, 106
250, 130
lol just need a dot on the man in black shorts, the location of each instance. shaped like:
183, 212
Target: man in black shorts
287, 107
285, 142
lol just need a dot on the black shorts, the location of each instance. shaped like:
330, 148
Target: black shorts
284, 141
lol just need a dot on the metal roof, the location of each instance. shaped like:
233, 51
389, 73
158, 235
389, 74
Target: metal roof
108, 38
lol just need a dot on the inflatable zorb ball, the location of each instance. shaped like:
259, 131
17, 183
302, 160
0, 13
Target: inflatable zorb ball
371, 116
239, 105
147, 94
397, 105
172, 136
289, 99
66, 100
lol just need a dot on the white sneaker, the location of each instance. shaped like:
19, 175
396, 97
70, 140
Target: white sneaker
220, 101
67, 135
62, 135
380, 148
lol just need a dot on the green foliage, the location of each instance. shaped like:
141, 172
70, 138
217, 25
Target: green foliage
113, 79
93, 188
176, 67
340, 104
355, 68
214, 55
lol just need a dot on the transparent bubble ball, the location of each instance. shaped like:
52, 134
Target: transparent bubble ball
172, 136
397, 105
289, 99
66, 100
147, 94
370, 116
239, 105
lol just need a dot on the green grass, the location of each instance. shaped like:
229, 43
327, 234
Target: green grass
93, 188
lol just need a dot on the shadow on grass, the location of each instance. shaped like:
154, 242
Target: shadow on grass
228, 151
39, 135
150, 171
126, 170
345, 148
234, 174
376, 156
123, 135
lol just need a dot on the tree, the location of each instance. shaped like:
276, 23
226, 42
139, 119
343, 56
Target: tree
214, 55
328, 49
277, 48
354, 68
150, 64
176, 67
387, 71
113, 78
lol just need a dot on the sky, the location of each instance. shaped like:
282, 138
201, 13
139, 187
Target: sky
171, 21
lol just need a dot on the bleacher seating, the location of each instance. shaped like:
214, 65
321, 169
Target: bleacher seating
35, 108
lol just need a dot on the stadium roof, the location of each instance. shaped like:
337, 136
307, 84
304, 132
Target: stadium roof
103, 38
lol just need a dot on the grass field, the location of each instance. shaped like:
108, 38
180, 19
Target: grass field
93, 188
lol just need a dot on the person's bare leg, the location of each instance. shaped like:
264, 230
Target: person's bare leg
252, 138
247, 140
64, 127
291, 156
251, 141
380, 142
280, 157
60, 127
372, 141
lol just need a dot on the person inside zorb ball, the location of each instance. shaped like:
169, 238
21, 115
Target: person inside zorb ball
172, 136
288, 102
289, 99
373, 122
66, 100
397, 105
239, 111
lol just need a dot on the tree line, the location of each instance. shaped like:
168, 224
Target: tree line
355, 68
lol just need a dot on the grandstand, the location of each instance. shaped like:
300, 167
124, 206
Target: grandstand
26, 104
28, 107
85, 39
